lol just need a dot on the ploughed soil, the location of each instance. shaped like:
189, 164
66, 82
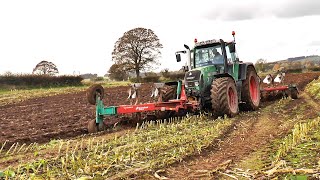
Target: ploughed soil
65, 116
57, 117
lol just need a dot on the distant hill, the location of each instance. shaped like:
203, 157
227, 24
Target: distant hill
314, 58
301, 58
295, 64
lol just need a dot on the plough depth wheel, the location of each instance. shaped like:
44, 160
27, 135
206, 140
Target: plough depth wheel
92, 126
294, 93
94, 91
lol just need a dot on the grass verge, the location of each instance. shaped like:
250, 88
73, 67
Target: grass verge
313, 89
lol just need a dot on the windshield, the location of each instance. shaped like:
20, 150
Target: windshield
208, 56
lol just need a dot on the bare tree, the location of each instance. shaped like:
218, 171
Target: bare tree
45, 68
138, 49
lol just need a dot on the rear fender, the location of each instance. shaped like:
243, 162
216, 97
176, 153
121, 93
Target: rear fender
243, 70
171, 83
223, 75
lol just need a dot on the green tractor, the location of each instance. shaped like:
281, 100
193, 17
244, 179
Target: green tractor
217, 80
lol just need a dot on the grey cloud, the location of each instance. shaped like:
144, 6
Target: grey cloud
298, 8
314, 43
232, 15
231, 11
250, 10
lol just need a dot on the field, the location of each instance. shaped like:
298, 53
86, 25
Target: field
247, 146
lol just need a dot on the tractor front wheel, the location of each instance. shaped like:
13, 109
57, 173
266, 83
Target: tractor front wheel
93, 91
250, 93
168, 93
224, 97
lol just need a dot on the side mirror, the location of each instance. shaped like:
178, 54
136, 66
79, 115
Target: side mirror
232, 48
178, 57
186, 46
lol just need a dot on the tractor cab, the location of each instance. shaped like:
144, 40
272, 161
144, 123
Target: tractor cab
217, 53
210, 55
207, 60
214, 52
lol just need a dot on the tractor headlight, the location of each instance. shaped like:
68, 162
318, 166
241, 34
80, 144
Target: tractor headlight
196, 83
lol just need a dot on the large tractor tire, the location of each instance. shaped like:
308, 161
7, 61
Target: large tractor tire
93, 91
224, 97
168, 93
250, 92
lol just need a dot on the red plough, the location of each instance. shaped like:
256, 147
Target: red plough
278, 90
167, 103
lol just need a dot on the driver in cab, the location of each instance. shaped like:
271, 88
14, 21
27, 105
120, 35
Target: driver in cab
217, 59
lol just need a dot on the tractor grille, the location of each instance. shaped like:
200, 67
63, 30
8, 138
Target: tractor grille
190, 83
192, 75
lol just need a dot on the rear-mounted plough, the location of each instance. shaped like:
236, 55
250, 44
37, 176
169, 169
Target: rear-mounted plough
166, 103
280, 89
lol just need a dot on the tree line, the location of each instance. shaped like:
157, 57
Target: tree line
263, 66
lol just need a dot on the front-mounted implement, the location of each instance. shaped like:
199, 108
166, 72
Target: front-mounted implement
170, 99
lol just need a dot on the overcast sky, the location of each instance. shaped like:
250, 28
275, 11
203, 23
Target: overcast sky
79, 35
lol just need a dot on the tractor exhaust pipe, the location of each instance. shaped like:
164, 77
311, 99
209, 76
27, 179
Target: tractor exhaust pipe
188, 52
188, 56
224, 54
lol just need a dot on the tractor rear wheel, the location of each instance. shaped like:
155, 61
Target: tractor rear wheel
224, 97
93, 91
250, 92
92, 126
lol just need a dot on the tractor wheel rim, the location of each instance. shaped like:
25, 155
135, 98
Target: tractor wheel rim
253, 90
232, 99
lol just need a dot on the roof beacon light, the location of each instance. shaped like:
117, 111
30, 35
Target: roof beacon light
195, 40
234, 38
